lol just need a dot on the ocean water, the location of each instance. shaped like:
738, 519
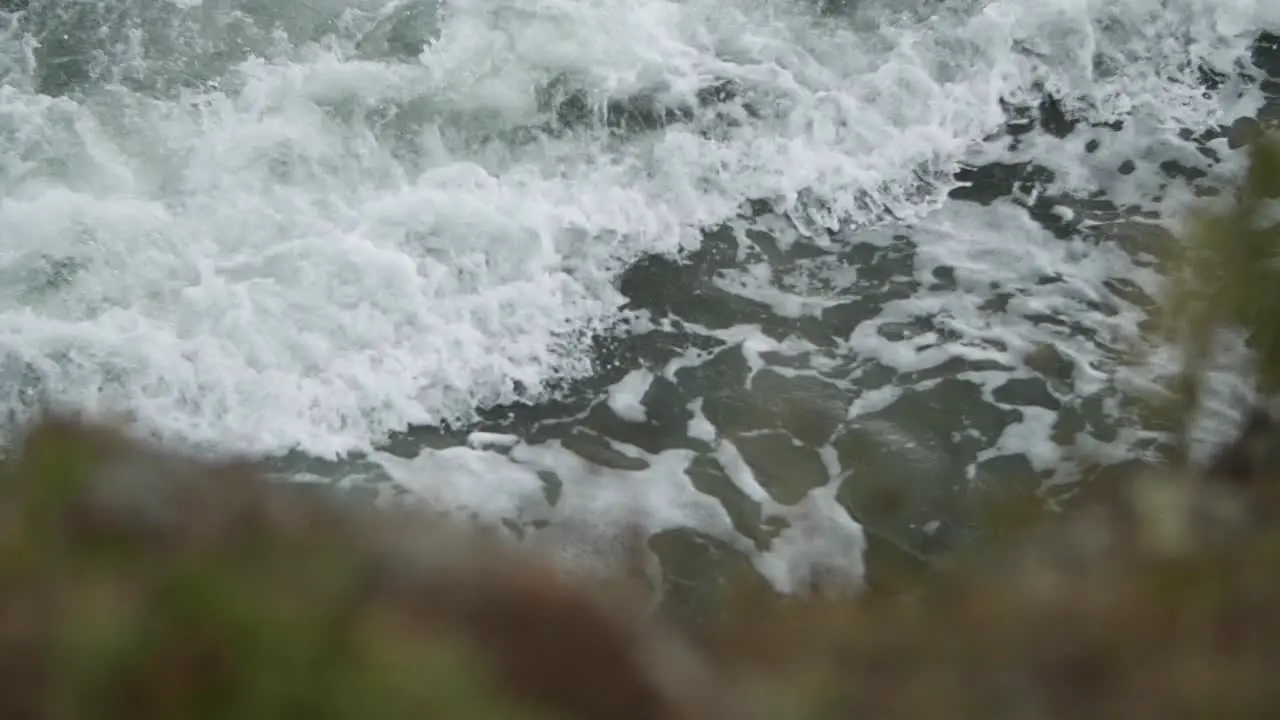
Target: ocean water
763, 282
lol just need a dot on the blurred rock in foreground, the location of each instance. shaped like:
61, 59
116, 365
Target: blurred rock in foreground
136, 584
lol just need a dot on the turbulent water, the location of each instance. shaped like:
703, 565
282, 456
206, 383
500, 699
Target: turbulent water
721, 272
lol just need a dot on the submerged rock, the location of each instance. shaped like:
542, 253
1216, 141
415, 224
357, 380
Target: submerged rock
1247, 129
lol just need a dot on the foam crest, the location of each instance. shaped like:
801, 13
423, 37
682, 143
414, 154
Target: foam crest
290, 263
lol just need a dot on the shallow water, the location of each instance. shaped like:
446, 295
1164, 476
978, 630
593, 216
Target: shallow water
761, 277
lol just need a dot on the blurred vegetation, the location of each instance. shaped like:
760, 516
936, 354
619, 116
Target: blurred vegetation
1229, 277
138, 584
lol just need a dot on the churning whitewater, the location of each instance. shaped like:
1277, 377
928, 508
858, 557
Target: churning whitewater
716, 271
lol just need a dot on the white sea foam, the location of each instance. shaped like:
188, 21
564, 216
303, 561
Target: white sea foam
596, 509
289, 282
314, 248
626, 397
